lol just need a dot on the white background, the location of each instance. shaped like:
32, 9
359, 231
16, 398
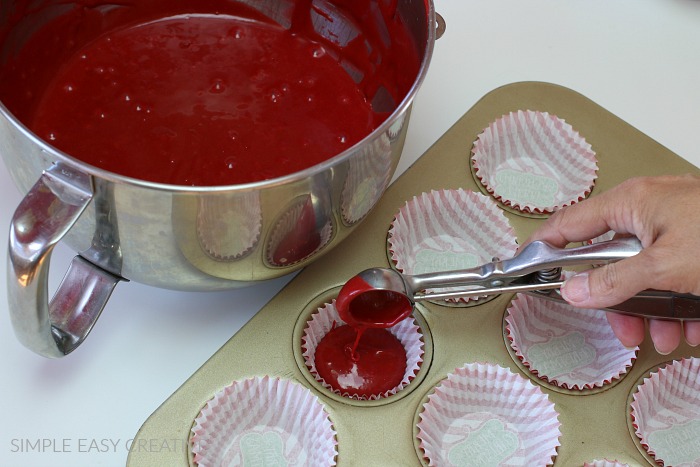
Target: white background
640, 59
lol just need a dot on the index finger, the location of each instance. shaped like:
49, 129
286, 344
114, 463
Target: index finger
587, 219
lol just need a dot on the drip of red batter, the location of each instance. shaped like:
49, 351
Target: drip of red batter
365, 365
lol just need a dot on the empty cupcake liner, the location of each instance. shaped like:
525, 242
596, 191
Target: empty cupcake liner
264, 421
396, 127
326, 317
569, 347
484, 414
368, 176
665, 413
534, 162
295, 236
448, 230
604, 463
229, 227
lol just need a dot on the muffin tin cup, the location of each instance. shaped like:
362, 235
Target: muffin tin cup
485, 414
564, 346
665, 413
318, 317
534, 162
263, 421
327, 317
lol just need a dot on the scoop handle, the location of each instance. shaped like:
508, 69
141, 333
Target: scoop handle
653, 304
534, 257
539, 255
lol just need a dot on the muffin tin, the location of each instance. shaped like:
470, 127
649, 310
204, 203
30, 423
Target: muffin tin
595, 425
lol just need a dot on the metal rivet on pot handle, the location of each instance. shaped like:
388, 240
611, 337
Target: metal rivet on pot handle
42, 218
440, 25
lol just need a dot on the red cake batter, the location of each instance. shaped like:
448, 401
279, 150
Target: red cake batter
205, 92
203, 100
365, 365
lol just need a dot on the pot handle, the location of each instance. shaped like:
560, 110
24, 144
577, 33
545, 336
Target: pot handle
40, 221
440, 25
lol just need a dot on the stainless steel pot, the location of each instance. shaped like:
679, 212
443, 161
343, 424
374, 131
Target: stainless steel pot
184, 238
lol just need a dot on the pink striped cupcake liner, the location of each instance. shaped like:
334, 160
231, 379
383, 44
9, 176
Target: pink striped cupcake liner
228, 228
321, 322
534, 162
569, 347
484, 414
368, 176
263, 421
604, 463
448, 230
665, 413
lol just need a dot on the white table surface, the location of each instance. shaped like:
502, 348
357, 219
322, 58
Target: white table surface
640, 59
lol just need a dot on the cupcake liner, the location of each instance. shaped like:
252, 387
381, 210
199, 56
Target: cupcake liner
484, 414
534, 162
396, 127
229, 227
569, 347
295, 236
448, 230
604, 463
264, 421
368, 176
323, 320
665, 413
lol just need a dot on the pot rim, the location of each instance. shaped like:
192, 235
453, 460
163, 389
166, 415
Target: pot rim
251, 186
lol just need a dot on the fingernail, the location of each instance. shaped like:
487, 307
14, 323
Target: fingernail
660, 352
576, 289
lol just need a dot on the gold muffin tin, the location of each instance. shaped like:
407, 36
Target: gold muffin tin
595, 425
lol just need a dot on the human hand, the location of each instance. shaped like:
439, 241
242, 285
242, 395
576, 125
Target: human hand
663, 212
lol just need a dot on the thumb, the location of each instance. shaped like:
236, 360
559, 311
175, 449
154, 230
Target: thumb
608, 285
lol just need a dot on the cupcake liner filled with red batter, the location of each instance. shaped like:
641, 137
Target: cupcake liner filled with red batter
448, 230
573, 348
665, 411
296, 235
384, 363
484, 414
264, 421
534, 162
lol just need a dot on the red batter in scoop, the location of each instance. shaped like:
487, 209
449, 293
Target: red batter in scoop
362, 306
376, 365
